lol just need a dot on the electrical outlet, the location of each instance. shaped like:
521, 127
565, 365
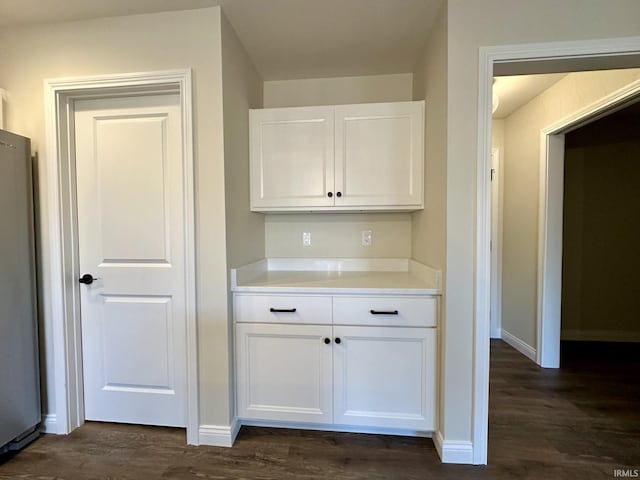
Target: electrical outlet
306, 239
367, 238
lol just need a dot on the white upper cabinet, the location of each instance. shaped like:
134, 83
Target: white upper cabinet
291, 158
338, 158
379, 155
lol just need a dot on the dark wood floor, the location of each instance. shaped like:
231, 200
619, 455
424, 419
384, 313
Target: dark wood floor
579, 422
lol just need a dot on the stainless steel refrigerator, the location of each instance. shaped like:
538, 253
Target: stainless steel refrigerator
19, 379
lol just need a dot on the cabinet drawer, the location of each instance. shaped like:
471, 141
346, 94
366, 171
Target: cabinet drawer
386, 311
282, 309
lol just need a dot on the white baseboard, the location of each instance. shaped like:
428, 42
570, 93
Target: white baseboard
49, 423
495, 333
219, 435
453, 451
600, 335
524, 348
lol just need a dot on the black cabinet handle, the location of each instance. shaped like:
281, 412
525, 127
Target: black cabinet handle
383, 312
282, 310
330, 194
339, 194
327, 341
337, 340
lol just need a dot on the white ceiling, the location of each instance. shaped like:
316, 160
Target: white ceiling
517, 90
286, 39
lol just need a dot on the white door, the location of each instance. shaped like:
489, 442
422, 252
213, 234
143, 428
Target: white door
379, 154
384, 377
284, 372
131, 236
292, 158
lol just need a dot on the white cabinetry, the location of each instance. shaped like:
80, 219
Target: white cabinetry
379, 154
384, 377
338, 158
366, 362
284, 372
298, 309
292, 158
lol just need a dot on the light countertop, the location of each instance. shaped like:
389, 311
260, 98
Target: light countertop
391, 277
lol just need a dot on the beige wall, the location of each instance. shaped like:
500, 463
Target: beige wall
189, 39
600, 262
242, 90
338, 235
471, 26
428, 240
497, 134
430, 84
338, 90
521, 172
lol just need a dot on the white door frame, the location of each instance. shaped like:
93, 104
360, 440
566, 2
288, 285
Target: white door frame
61, 258
496, 245
487, 57
550, 210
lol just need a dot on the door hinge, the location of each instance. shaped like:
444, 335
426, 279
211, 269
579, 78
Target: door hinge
493, 171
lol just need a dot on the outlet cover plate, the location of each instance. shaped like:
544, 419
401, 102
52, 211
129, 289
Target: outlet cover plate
306, 239
367, 238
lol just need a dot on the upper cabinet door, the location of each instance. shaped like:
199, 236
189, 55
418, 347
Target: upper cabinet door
379, 155
292, 158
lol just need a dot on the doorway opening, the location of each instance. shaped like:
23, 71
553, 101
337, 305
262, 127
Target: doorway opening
600, 286
518, 128
550, 57
599, 203
550, 222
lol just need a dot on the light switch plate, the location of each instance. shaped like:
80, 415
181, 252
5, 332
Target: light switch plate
306, 239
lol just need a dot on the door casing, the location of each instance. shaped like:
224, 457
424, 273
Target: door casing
62, 304
496, 243
566, 55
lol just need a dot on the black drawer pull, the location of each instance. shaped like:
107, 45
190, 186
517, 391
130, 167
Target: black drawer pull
383, 312
282, 310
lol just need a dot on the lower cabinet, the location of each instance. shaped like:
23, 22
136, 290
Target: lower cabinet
344, 375
284, 372
384, 377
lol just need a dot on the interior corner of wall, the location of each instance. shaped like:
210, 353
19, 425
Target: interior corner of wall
3, 99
